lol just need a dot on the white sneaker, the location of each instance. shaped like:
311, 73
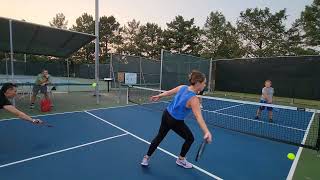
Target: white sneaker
145, 161
184, 163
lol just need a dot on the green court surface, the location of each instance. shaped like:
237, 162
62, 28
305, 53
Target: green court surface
66, 102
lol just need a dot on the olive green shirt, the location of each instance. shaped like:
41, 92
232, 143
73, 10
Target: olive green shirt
42, 79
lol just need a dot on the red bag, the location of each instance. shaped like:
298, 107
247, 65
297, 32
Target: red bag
45, 105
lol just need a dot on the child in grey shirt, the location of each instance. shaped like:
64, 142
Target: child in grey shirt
266, 97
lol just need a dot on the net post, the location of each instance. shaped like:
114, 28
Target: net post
161, 64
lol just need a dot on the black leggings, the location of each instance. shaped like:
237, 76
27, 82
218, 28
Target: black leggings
179, 127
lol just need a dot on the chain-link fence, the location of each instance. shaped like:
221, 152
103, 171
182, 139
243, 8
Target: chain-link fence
177, 67
147, 70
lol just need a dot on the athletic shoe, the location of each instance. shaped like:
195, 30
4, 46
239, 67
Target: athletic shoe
145, 161
184, 163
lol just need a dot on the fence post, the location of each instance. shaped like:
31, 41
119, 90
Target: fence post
160, 86
11, 58
210, 75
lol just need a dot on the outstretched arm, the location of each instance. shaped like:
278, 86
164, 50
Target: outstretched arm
166, 93
20, 114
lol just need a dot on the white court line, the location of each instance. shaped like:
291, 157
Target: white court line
60, 151
229, 107
295, 162
161, 149
263, 122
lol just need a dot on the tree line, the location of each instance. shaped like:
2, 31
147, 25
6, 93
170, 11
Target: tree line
256, 33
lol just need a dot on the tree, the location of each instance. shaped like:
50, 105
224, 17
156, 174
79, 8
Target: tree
220, 39
59, 21
149, 40
310, 21
109, 33
129, 39
182, 36
85, 24
117, 44
230, 47
262, 32
294, 42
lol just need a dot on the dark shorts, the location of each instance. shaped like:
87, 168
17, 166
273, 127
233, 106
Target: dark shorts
263, 107
37, 88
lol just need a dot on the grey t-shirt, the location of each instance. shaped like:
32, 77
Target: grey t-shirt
269, 91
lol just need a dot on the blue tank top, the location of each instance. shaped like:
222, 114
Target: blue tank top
177, 108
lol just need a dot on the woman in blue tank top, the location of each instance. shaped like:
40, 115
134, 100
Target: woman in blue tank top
173, 117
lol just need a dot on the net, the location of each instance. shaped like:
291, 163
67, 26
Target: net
291, 125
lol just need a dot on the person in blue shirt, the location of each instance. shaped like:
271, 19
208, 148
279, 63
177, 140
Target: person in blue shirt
183, 103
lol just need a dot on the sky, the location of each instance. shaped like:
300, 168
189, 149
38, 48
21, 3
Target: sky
156, 11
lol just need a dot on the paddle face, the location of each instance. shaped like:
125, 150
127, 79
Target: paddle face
201, 150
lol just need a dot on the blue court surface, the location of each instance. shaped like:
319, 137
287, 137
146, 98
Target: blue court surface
110, 143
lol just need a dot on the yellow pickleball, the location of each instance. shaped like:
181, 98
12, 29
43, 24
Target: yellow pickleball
291, 156
94, 84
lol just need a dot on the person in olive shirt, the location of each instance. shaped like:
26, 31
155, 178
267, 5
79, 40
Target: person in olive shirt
43, 79
9, 90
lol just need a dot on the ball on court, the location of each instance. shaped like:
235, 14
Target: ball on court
94, 84
291, 156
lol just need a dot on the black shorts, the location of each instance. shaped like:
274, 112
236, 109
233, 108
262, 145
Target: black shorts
37, 88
